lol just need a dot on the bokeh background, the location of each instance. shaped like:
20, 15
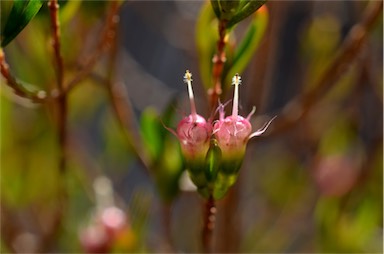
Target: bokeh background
315, 186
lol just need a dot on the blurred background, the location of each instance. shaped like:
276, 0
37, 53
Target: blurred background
314, 186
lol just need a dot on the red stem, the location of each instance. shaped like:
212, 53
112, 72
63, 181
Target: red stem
218, 65
62, 100
209, 224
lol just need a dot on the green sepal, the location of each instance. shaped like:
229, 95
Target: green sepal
196, 170
212, 161
206, 192
231, 163
223, 183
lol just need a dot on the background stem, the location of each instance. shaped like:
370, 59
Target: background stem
61, 100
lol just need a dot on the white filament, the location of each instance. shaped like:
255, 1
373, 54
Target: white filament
236, 81
188, 80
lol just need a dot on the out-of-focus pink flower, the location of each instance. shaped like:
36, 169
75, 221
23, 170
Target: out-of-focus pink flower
336, 175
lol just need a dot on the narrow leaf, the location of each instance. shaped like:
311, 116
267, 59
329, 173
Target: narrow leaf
246, 11
206, 38
150, 129
216, 8
248, 45
21, 14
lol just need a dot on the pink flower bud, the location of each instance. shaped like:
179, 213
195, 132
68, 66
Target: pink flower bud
193, 131
233, 132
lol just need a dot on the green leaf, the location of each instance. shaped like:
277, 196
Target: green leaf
21, 14
168, 170
228, 8
151, 133
5, 10
223, 183
206, 38
69, 10
215, 7
248, 45
249, 8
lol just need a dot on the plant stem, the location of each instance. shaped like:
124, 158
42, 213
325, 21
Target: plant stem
61, 100
167, 218
85, 69
118, 95
218, 65
18, 89
209, 224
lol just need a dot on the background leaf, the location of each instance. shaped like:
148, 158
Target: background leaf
21, 14
206, 38
248, 45
246, 11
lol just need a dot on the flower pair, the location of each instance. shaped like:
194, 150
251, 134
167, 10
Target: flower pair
230, 134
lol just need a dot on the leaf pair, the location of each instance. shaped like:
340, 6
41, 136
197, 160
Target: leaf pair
234, 11
237, 57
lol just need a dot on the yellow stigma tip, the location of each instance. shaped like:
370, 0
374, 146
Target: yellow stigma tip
187, 76
236, 80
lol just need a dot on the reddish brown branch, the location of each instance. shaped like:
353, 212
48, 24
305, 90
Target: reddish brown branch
119, 97
209, 218
14, 85
218, 65
107, 38
55, 25
47, 96
347, 54
62, 100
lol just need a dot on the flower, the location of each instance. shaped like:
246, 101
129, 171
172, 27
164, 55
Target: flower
234, 131
193, 131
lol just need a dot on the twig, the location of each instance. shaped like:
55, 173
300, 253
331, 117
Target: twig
48, 96
14, 85
218, 65
59, 213
119, 96
166, 217
347, 54
104, 44
62, 100
209, 224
